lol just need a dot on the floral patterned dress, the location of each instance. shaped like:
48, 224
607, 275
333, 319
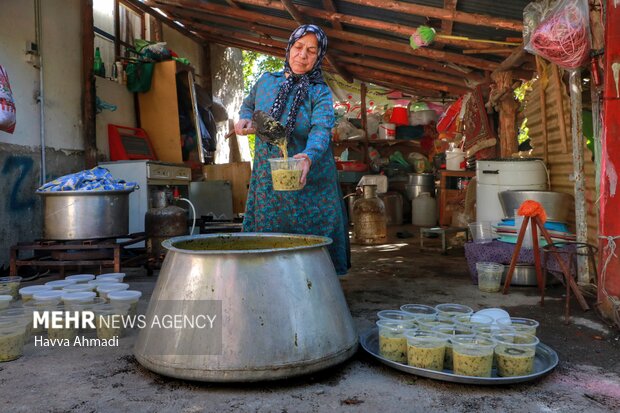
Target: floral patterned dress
317, 209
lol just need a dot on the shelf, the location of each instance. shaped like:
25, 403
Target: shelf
379, 142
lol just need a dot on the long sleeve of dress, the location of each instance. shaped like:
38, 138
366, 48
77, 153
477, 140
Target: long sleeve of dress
322, 121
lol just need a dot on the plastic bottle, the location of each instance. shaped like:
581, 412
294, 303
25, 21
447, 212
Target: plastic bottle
424, 210
98, 67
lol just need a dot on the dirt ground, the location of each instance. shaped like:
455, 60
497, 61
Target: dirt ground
110, 380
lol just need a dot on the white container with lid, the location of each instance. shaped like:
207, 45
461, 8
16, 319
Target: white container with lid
455, 160
495, 176
79, 287
60, 284
26, 292
78, 297
118, 276
48, 297
105, 289
80, 278
5, 301
124, 297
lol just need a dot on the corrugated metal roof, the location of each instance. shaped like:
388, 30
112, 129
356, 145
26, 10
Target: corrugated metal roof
375, 34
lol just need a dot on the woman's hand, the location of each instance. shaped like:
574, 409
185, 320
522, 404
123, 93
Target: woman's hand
305, 167
244, 127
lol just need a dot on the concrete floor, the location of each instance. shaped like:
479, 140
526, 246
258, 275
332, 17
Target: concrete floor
110, 380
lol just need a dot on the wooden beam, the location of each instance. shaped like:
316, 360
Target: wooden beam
189, 18
514, 60
508, 107
443, 14
388, 27
353, 37
434, 81
446, 24
299, 18
88, 87
502, 50
330, 7
405, 69
415, 62
147, 9
363, 72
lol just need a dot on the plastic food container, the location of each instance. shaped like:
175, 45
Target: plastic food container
489, 276
449, 332
5, 301
51, 297
285, 174
118, 276
80, 278
453, 310
97, 283
473, 356
395, 315
60, 284
124, 298
104, 289
392, 341
11, 286
520, 325
419, 311
515, 354
21, 315
108, 320
474, 320
425, 349
78, 297
75, 288
26, 292
63, 332
434, 323
12, 339
481, 232
40, 306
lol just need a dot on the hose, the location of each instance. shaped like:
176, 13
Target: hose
193, 214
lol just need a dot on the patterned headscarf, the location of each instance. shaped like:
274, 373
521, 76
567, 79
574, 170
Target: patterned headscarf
299, 83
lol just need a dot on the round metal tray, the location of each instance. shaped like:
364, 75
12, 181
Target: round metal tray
545, 361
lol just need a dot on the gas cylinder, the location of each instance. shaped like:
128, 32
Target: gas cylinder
161, 222
369, 220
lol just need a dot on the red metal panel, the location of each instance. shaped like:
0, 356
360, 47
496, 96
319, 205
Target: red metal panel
609, 217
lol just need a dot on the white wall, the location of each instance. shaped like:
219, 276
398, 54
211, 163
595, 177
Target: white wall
61, 51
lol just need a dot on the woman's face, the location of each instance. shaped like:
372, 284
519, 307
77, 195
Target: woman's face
303, 54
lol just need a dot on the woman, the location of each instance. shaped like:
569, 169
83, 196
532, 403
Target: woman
299, 98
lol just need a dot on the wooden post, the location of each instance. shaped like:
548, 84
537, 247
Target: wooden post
507, 114
88, 86
363, 91
581, 222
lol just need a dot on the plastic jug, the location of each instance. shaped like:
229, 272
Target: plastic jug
455, 160
424, 210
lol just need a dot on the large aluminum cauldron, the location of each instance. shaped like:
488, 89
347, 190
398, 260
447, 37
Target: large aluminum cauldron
284, 312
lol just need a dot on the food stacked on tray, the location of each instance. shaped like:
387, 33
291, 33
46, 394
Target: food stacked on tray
452, 339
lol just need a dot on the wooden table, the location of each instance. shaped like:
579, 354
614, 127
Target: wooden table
449, 196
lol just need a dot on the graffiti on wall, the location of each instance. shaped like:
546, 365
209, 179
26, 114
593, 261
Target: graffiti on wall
18, 168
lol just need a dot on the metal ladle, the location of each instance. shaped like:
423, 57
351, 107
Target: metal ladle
268, 129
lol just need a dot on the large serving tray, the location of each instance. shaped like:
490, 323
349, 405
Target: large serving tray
545, 361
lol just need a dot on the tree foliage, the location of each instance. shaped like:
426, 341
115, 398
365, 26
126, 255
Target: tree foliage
255, 64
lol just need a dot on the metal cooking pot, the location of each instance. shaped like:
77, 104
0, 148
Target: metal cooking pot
557, 204
525, 275
419, 183
283, 310
72, 215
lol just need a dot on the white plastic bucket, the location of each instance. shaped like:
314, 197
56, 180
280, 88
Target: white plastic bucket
455, 160
387, 131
